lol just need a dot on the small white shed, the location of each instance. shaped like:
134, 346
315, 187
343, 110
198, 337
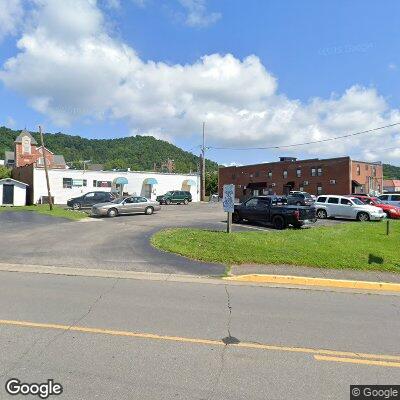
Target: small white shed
12, 192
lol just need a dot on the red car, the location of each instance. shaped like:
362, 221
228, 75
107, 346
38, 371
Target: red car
390, 210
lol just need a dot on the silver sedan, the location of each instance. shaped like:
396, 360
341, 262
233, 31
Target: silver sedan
127, 205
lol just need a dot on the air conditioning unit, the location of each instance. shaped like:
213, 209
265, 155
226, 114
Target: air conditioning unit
273, 184
332, 181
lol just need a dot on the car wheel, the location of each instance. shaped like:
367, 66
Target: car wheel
185, 202
149, 210
112, 212
298, 203
76, 206
168, 202
279, 222
236, 218
322, 214
362, 216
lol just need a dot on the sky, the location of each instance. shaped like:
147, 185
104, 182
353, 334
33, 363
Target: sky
260, 73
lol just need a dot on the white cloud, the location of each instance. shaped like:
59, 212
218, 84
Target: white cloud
197, 14
69, 67
11, 14
392, 66
10, 123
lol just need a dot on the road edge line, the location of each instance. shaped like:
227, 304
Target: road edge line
319, 282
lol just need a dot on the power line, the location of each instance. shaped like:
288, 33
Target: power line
306, 143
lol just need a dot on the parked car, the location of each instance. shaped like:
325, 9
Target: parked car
300, 199
270, 209
127, 205
390, 210
347, 207
175, 196
390, 198
89, 199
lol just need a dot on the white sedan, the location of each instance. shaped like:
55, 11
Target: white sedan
330, 206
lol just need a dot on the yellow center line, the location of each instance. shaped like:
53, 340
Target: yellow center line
358, 361
320, 353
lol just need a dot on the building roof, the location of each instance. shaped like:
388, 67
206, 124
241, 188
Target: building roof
391, 182
25, 133
59, 159
10, 180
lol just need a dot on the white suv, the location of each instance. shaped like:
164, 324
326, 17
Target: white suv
347, 207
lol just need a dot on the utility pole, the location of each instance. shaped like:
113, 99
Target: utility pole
45, 169
203, 168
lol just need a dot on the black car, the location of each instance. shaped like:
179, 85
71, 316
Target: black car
89, 199
271, 209
300, 199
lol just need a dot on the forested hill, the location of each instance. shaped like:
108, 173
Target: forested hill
136, 152
391, 172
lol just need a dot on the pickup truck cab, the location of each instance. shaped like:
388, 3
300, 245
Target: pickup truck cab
271, 209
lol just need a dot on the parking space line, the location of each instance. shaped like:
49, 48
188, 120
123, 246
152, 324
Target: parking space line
319, 354
358, 361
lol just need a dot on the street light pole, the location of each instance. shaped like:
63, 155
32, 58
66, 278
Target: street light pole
203, 167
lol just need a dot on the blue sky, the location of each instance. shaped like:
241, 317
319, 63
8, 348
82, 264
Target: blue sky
319, 69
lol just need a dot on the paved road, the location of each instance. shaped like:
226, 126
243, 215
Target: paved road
121, 243
171, 347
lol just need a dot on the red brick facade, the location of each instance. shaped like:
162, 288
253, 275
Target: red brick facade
315, 176
26, 152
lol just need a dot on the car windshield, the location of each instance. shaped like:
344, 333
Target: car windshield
168, 194
377, 201
357, 201
117, 201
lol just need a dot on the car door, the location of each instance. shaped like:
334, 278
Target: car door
332, 206
99, 197
346, 208
141, 204
88, 199
261, 209
249, 209
394, 200
129, 206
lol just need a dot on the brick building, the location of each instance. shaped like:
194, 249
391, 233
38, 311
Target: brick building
340, 175
27, 152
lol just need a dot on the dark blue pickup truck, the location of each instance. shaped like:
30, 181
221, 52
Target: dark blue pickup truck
271, 209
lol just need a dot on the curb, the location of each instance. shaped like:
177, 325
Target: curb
320, 282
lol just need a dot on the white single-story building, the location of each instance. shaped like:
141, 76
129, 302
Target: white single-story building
68, 183
12, 192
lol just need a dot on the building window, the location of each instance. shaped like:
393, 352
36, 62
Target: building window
67, 183
332, 181
374, 171
103, 184
358, 169
233, 177
257, 174
319, 189
319, 171
379, 188
269, 174
313, 172
301, 189
26, 145
251, 175
285, 174
40, 161
305, 183
366, 167
298, 172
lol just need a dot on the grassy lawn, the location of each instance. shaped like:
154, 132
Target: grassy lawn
58, 211
363, 246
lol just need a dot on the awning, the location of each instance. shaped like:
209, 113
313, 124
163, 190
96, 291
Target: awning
256, 185
356, 183
150, 181
120, 181
190, 182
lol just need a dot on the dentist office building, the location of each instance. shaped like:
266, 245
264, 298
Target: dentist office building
27, 161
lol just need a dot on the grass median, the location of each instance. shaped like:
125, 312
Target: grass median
58, 211
355, 245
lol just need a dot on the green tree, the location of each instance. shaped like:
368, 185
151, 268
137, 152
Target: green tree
211, 183
4, 172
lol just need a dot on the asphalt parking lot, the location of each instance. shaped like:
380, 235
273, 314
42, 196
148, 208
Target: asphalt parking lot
120, 243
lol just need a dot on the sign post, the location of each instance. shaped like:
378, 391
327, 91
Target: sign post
228, 202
